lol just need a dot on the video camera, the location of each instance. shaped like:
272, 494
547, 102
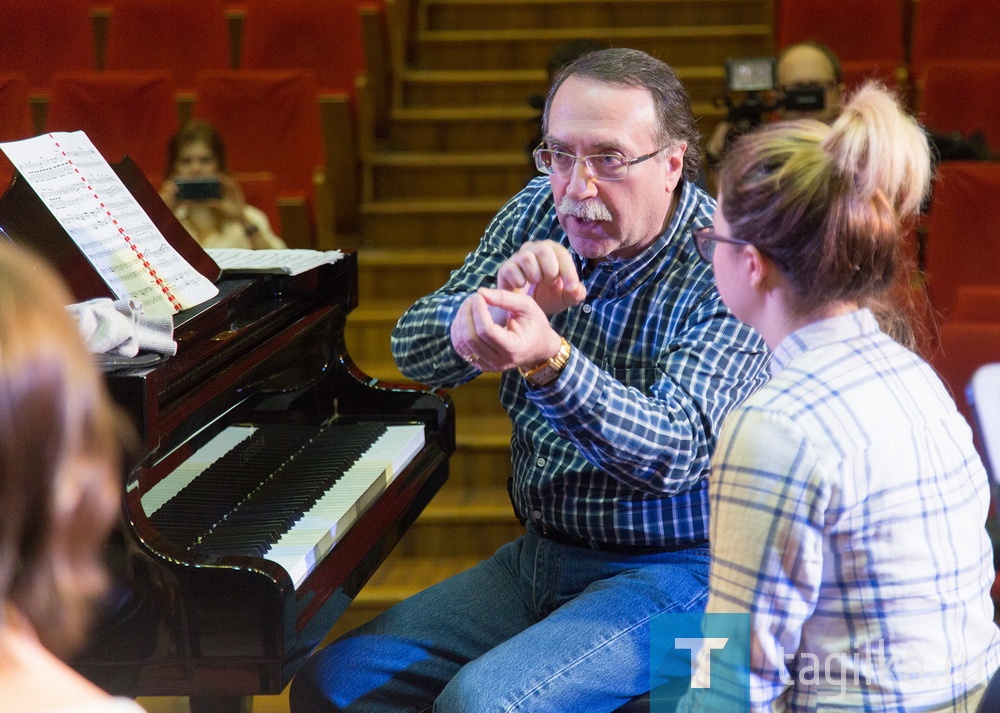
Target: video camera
757, 74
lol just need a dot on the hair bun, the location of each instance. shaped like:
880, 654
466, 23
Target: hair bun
877, 143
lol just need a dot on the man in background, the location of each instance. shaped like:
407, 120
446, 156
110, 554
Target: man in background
805, 65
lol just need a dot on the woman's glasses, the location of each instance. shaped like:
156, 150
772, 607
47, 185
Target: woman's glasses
705, 241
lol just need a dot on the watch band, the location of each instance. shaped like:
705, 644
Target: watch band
546, 372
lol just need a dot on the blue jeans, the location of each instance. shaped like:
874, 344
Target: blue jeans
540, 626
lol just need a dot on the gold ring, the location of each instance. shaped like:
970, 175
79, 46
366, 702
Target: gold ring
472, 357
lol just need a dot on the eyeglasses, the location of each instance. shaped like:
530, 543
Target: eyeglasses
705, 241
603, 166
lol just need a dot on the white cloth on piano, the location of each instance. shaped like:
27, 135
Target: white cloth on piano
121, 327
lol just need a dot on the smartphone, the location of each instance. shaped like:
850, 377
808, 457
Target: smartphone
198, 189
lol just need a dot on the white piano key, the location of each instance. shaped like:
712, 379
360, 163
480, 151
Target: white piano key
318, 531
194, 466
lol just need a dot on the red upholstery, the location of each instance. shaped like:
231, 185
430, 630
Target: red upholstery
965, 346
43, 38
269, 121
180, 36
954, 29
321, 35
963, 231
977, 303
853, 29
15, 118
132, 113
962, 96
261, 191
857, 71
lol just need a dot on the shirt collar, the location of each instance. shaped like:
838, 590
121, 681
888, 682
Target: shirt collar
842, 328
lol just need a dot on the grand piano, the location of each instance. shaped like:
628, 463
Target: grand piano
272, 479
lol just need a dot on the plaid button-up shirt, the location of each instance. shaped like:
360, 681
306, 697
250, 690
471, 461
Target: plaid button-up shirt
616, 450
848, 510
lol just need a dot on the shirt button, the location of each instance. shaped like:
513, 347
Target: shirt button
540, 462
537, 514
586, 309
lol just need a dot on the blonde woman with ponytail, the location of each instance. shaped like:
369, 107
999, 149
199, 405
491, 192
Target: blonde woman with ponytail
847, 501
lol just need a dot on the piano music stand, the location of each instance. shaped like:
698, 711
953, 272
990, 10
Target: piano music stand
26, 221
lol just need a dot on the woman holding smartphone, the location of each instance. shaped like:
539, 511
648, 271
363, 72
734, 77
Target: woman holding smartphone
206, 199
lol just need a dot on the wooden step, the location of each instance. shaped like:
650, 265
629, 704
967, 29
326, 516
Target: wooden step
529, 48
463, 522
469, 128
422, 88
367, 335
476, 398
482, 457
396, 175
574, 14
451, 224
404, 274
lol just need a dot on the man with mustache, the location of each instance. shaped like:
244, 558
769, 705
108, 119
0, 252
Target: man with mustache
619, 363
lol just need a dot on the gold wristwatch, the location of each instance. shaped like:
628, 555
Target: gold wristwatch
546, 372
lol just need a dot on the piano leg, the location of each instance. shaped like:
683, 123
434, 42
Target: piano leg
221, 704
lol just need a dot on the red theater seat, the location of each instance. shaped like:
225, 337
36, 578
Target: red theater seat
954, 29
321, 35
963, 231
854, 29
132, 113
269, 121
44, 38
15, 118
180, 36
962, 96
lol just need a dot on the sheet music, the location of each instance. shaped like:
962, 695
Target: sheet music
112, 230
281, 262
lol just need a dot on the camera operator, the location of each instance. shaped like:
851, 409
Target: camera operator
806, 71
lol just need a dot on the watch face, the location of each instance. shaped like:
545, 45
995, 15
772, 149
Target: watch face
543, 375
548, 371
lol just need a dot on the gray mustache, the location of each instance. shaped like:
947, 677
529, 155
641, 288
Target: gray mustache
591, 209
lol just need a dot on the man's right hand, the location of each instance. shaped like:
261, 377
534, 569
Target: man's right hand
543, 269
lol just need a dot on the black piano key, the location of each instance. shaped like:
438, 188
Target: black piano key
206, 501
272, 509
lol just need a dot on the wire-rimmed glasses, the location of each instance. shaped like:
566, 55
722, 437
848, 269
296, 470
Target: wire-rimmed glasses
603, 166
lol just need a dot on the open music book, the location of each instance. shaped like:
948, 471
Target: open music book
110, 227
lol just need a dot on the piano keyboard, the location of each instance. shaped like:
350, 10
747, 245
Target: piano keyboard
285, 492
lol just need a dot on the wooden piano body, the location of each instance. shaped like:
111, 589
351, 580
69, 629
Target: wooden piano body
219, 626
